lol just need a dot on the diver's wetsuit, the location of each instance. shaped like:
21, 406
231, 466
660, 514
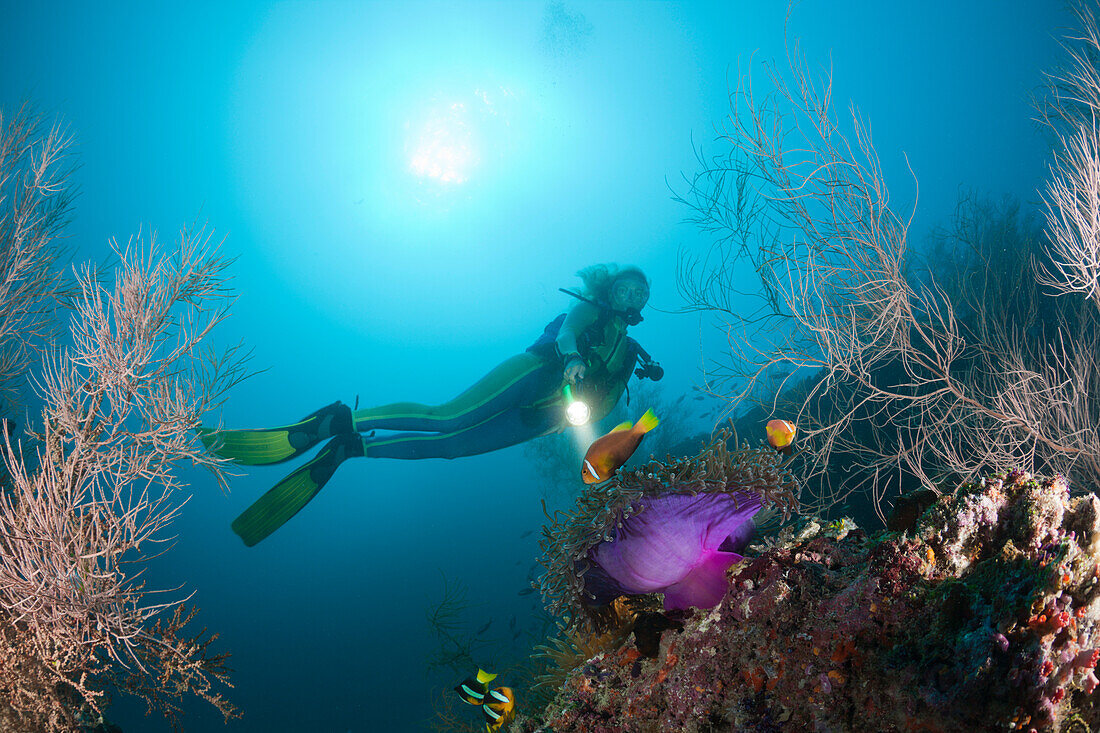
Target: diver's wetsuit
511, 404
519, 400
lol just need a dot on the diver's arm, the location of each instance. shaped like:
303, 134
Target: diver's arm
579, 318
649, 368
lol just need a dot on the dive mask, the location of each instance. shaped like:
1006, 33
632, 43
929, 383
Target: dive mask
630, 294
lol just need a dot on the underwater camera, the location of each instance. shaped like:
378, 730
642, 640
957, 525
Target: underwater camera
650, 370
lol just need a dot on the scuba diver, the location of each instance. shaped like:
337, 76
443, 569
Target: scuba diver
584, 355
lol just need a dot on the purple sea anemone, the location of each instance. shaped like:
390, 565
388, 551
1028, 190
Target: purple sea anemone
677, 544
672, 527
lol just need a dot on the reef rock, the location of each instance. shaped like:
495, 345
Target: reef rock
980, 614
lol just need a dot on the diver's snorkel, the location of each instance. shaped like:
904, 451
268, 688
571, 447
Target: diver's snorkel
576, 411
632, 316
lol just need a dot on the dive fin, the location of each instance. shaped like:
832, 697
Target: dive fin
248, 447
289, 496
275, 445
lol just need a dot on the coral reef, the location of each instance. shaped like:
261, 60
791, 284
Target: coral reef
980, 613
989, 360
573, 647
686, 515
90, 487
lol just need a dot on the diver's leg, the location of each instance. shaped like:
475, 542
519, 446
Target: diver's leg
287, 497
517, 381
290, 495
517, 425
274, 445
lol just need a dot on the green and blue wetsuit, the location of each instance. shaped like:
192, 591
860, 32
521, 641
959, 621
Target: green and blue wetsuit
519, 400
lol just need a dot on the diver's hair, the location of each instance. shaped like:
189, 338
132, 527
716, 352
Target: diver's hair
598, 279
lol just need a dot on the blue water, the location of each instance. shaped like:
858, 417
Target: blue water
295, 130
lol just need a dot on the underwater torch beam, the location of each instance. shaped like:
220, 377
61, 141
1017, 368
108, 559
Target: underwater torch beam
576, 411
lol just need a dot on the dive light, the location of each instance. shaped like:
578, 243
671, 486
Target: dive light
576, 411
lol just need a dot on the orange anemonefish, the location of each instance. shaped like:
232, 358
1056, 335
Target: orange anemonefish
473, 689
497, 705
607, 454
499, 708
781, 435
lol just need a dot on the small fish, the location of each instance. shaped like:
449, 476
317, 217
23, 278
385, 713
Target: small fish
499, 708
526, 591
473, 689
512, 623
526, 534
485, 628
679, 400
607, 454
516, 635
698, 398
781, 435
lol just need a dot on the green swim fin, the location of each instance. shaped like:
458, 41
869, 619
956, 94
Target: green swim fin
290, 495
275, 445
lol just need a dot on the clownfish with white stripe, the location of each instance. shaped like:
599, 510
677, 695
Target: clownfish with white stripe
499, 708
497, 705
607, 454
472, 689
781, 435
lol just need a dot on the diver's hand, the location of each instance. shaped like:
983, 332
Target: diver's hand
574, 370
